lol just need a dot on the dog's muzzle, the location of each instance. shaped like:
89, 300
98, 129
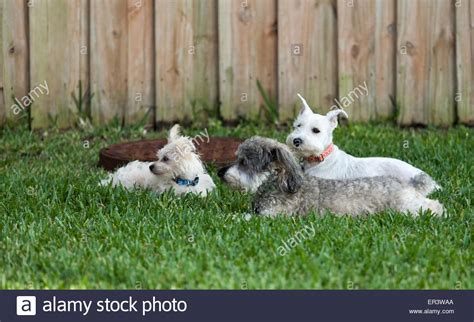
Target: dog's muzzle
222, 171
297, 142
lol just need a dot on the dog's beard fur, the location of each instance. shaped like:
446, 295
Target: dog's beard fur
259, 159
243, 179
251, 167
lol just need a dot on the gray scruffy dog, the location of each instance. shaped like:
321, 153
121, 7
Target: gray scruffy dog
286, 191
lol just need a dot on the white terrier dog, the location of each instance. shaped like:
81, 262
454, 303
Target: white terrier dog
311, 140
178, 168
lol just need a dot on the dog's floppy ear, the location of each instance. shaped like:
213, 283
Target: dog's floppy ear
174, 133
305, 109
333, 114
290, 178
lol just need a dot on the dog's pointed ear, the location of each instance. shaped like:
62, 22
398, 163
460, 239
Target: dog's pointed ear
305, 109
174, 133
333, 114
290, 178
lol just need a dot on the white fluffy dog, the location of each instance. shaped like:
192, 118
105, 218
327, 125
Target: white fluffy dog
178, 168
311, 140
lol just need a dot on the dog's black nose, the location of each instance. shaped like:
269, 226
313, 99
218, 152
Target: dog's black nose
256, 209
222, 171
152, 166
297, 142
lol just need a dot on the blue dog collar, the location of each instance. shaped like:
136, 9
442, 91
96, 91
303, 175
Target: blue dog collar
186, 182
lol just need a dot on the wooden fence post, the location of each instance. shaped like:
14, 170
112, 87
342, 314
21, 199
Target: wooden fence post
307, 55
186, 58
57, 65
141, 60
2, 99
425, 62
464, 95
15, 56
366, 44
109, 55
247, 53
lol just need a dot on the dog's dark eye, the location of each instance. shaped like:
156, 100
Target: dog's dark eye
165, 159
315, 130
298, 125
243, 162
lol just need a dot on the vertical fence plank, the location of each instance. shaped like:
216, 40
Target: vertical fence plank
15, 55
464, 61
56, 37
141, 82
2, 100
109, 55
356, 51
127, 91
442, 75
247, 53
425, 62
412, 62
85, 48
206, 84
385, 58
174, 41
186, 58
366, 43
307, 55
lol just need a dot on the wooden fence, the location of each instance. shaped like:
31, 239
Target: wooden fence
183, 57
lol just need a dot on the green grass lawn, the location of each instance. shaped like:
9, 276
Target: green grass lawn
59, 229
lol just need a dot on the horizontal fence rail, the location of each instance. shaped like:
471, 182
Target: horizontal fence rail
168, 60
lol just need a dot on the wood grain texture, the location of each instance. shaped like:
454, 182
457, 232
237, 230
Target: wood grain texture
206, 86
366, 43
60, 68
15, 54
109, 59
247, 53
465, 61
186, 58
2, 99
425, 62
141, 72
312, 72
85, 48
356, 53
385, 58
